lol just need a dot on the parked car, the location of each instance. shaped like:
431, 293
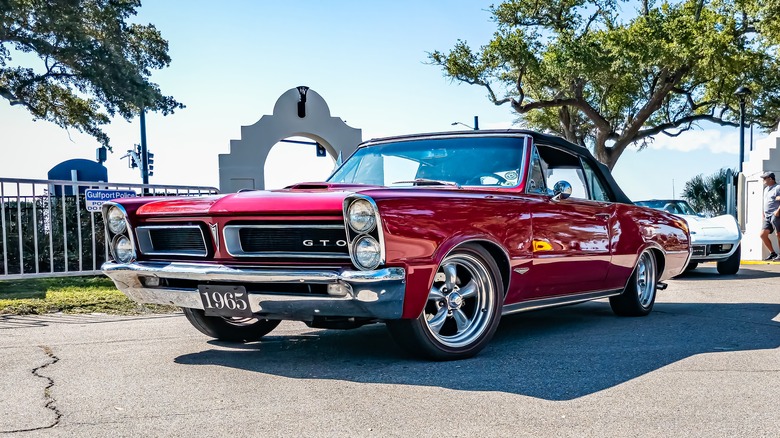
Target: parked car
436, 235
713, 239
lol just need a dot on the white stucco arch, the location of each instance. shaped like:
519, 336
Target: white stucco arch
299, 112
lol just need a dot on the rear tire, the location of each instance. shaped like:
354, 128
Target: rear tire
730, 266
691, 266
230, 329
462, 311
638, 297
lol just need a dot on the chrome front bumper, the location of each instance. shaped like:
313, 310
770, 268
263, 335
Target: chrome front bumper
364, 294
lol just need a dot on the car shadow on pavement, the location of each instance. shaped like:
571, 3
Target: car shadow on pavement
555, 354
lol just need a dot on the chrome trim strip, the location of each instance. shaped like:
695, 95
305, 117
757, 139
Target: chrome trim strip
542, 303
211, 272
300, 255
329, 227
230, 235
145, 245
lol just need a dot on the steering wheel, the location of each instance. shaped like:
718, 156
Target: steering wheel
477, 180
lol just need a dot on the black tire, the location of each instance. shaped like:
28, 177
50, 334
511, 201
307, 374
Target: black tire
730, 266
638, 297
691, 266
231, 330
462, 311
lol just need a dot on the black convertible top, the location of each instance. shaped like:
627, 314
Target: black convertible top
544, 139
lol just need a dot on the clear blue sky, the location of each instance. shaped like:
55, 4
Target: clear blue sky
232, 60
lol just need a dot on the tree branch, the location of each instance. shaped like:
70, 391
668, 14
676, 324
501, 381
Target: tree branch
676, 123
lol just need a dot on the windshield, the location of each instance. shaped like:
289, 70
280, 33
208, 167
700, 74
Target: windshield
465, 161
673, 206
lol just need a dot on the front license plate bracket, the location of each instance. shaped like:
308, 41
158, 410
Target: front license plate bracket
222, 300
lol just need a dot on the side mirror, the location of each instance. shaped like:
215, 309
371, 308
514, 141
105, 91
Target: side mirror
561, 190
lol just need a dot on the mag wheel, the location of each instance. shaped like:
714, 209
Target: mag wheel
230, 329
638, 297
462, 311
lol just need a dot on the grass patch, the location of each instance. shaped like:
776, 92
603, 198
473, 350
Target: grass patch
70, 295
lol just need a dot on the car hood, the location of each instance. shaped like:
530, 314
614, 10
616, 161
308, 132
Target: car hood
722, 227
309, 198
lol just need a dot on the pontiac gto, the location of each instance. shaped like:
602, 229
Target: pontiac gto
436, 235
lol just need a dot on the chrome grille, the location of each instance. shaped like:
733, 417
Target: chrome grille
327, 240
182, 240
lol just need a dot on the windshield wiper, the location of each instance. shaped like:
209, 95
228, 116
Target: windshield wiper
428, 182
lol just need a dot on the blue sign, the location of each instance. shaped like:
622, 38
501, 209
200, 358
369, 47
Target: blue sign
95, 198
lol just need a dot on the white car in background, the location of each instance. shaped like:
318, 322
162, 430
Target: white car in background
713, 239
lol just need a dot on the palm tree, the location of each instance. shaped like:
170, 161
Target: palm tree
707, 194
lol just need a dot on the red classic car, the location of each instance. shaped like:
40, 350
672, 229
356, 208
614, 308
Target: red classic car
436, 235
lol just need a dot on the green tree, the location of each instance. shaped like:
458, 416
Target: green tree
77, 63
605, 77
707, 194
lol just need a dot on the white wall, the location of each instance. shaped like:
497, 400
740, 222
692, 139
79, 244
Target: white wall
765, 156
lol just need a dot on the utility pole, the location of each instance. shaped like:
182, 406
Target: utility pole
144, 153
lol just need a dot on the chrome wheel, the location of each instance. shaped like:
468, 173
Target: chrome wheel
645, 280
461, 301
638, 297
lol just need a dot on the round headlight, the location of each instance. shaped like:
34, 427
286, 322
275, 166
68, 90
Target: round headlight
367, 252
117, 222
361, 216
123, 249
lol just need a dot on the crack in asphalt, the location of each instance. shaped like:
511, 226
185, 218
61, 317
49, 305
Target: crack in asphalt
50, 401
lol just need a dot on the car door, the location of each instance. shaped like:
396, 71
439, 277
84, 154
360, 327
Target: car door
570, 237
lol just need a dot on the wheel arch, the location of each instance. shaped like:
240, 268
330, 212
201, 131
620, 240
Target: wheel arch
499, 254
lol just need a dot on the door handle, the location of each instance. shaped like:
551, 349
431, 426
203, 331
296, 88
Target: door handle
603, 216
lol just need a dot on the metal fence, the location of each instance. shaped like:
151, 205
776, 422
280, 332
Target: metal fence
47, 230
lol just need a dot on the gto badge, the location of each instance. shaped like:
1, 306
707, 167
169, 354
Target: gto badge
324, 242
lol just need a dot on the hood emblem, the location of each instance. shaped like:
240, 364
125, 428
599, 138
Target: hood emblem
215, 233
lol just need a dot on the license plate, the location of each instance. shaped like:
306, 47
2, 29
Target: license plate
699, 250
224, 300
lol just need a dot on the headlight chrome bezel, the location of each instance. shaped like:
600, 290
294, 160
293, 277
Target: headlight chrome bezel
110, 223
368, 213
113, 238
376, 252
372, 229
115, 242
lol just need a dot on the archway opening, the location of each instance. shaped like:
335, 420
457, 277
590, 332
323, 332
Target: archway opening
295, 160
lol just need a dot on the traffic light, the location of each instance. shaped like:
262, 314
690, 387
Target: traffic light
135, 157
321, 152
150, 162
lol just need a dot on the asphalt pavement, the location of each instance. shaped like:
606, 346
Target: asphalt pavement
705, 363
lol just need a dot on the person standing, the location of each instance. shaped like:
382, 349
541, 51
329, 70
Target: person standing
771, 213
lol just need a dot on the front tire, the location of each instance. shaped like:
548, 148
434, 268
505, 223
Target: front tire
230, 329
730, 266
638, 297
462, 311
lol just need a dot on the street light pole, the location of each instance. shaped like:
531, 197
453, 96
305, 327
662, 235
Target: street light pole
475, 127
144, 152
742, 92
